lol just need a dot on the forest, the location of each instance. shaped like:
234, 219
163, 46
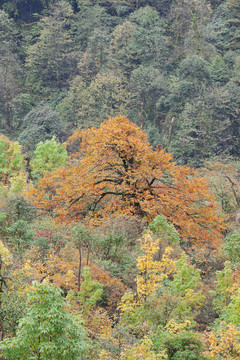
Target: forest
119, 179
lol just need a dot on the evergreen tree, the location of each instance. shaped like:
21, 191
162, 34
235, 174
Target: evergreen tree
40, 124
10, 72
51, 60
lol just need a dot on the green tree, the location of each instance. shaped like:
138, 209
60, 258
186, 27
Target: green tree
147, 88
49, 156
231, 247
13, 306
234, 22
218, 70
195, 69
106, 96
91, 291
149, 43
236, 71
195, 138
25, 11
19, 236
186, 21
18, 208
184, 345
11, 160
217, 32
95, 56
231, 314
120, 55
40, 124
51, 60
47, 331
223, 287
185, 288
139, 40
10, 72
91, 18
207, 124
161, 228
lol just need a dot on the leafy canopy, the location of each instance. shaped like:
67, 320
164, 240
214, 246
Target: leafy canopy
47, 331
114, 170
11, 160
49, 156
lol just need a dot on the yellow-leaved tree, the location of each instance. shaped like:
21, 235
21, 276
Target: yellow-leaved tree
152, 272
168, 297
5, 260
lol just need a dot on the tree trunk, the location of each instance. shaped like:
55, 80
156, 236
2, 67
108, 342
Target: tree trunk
79, 267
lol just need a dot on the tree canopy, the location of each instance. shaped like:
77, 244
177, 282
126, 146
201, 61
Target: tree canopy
143, 248
114, 170
47, 331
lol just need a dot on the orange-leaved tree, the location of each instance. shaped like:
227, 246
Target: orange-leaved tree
113, 170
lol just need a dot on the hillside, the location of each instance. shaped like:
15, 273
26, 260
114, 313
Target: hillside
119, 179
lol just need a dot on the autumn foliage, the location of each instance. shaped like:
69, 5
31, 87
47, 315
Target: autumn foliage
113, 170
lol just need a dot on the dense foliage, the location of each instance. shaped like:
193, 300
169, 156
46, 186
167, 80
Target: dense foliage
170, 66
115, 171
119, 179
